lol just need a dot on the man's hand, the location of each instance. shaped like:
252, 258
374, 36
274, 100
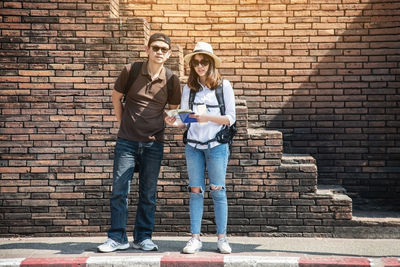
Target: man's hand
170, 120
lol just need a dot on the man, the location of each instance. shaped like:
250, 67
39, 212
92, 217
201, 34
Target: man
140, 141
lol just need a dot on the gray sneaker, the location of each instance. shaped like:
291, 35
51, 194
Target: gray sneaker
146, 245
111, 245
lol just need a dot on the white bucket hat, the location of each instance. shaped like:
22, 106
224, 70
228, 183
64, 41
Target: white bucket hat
203, 48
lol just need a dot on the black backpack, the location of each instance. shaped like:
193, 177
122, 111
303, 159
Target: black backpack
226, 134
133, 74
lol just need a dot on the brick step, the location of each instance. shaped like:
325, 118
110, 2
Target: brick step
259, 133
370, 224
331, 189
265, 147
334, 192
297, 159
354, 224
335, 197
374, 216
300, 170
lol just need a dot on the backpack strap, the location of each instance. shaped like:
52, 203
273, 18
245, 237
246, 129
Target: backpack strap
170, 84
191, 99
192, 95
219, 93
133, 74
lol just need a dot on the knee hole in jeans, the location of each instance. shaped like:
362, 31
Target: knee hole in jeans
217, 187
218, 193
195, 189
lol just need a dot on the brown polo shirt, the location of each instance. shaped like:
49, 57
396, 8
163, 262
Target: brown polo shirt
143, 115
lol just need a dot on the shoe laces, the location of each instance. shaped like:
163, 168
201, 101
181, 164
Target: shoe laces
222, 240
223, 243
147, 244
193, 240
111, 243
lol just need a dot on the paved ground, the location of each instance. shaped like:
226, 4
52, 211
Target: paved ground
247, 251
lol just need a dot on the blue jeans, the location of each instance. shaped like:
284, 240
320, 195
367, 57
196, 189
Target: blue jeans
127, 154
216, 161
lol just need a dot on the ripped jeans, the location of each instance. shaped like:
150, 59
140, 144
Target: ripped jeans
215, 160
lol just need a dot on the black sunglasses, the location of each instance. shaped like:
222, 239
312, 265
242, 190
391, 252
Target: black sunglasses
203, 62
157, 48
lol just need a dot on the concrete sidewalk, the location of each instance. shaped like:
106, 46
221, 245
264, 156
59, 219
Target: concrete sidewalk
247, 251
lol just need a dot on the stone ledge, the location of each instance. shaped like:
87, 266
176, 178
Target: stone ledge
263, 134
385, 218
331, 189
297, 159
367, 231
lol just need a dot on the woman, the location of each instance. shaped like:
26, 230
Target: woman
201, 150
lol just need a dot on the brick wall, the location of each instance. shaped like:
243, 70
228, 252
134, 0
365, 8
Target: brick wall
325, 73
57, 67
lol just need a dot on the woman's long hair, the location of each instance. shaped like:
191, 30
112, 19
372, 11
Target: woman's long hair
213, 77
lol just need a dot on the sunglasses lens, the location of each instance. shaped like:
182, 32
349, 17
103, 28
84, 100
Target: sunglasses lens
203, 62
157, 48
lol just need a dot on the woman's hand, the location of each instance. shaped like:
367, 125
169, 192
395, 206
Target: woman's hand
223, 120
199, 118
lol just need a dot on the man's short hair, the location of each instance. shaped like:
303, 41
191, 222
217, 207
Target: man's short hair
159, 37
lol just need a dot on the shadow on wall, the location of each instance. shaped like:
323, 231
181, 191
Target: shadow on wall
344, 109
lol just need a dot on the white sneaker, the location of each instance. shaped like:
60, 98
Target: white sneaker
146, 245
111, 245
223, 246
192, 246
